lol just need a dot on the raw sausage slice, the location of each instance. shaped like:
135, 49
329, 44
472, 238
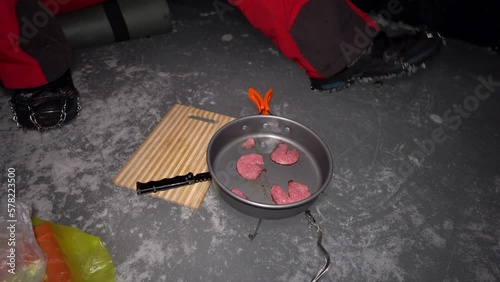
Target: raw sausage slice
249, 166
239, 193
249, 143
296, 192
279, 196
281, 155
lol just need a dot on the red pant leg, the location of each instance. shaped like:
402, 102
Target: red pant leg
308, 31
17, 68
274, 18
33, 49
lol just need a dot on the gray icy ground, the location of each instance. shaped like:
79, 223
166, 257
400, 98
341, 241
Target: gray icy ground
393, 211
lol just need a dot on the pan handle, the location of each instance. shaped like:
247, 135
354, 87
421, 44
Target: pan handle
262, 104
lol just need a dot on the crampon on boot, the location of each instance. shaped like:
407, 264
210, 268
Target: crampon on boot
392, 53
47, 106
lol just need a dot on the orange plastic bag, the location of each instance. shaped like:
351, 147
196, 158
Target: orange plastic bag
57, 269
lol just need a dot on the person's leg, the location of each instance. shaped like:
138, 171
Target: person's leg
35, 59
310, 32
336, 43
33, 50
324, 28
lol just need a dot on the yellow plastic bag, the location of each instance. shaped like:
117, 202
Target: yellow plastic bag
84, 254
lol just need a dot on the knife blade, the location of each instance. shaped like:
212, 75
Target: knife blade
171, 183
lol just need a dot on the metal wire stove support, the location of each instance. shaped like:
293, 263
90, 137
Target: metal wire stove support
324, 269
252, 236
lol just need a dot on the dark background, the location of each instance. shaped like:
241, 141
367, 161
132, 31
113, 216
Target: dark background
477, 22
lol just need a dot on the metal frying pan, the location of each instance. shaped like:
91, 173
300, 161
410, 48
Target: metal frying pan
314, 168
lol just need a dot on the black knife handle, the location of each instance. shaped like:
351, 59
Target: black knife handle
164, 184
204, 176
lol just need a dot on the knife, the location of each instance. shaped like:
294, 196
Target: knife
171, 183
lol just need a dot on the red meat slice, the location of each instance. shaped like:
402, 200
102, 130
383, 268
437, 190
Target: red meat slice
249, 143
279, 196
281, 155
249, 166
239, 193
296, 192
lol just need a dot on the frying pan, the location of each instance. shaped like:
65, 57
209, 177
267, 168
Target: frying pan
314, 167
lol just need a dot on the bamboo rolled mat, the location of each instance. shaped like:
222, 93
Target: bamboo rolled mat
176, 146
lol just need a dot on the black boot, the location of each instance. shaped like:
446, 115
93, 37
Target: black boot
392, 53
47, 106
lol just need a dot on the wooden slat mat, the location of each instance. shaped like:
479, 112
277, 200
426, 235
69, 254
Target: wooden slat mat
176, 146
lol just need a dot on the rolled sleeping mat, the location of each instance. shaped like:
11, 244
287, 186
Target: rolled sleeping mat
115, 21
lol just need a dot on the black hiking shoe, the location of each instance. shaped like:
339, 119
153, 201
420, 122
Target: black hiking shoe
387, 56
47, 106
